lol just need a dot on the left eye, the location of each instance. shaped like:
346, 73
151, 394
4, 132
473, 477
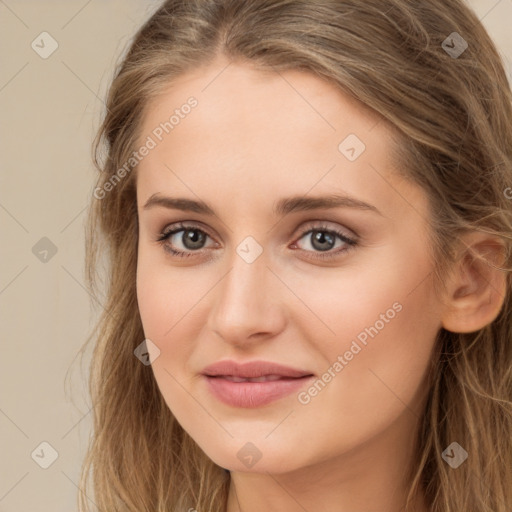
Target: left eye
322, 239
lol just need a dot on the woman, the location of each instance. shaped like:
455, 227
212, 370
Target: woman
305, 212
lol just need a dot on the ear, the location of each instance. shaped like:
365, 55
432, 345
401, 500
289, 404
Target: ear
476, 288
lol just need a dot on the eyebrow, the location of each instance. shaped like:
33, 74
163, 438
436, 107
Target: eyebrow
281, 207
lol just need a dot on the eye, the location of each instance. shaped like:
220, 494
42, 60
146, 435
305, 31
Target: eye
322, 238
192, 239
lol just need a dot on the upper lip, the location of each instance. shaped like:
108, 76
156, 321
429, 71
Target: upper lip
252, 369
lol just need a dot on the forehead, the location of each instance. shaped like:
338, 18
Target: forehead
263, 133
291, 102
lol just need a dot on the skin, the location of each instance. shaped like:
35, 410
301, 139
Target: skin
254, 138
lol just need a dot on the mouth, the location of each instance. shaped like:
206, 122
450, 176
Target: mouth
252, 392
263, 378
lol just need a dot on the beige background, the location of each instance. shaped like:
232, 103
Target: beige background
50, 111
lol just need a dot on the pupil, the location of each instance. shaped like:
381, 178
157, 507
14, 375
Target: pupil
321, 237
193, 236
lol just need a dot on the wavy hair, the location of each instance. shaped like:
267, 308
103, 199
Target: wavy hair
452, 119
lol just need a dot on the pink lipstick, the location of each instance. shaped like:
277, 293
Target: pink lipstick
253, 384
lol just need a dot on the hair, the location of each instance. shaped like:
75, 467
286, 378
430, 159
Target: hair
452, 122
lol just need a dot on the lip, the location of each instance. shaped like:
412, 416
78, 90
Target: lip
252, 369
253, 394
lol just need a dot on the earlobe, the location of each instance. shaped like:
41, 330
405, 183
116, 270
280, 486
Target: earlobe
476, 288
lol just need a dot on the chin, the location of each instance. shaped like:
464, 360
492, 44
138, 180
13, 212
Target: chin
246, 458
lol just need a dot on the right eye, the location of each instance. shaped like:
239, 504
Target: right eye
191, 239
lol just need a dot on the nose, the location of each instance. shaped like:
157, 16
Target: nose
248, 303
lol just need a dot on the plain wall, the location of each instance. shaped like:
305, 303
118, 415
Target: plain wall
50, 110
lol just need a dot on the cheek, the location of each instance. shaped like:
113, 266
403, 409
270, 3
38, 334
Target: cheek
165, 310
385, 322
163, 292
171, 304
152, 299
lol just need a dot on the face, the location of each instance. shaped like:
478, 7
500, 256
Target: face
340, 291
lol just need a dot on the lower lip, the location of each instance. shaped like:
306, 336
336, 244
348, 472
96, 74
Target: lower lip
253, 394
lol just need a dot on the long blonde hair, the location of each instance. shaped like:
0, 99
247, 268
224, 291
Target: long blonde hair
453, 117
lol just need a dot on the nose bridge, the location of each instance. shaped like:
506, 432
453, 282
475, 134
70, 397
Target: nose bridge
244, 285
246, 300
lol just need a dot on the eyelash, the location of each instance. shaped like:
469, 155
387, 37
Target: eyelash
166, 234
